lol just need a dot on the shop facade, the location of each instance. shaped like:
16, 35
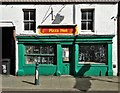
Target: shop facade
73, 37
78, 55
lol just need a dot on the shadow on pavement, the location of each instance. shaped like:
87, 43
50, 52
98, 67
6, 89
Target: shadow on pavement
111, 81
28, 82
83, 83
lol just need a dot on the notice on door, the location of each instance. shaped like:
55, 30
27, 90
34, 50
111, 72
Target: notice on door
65, 53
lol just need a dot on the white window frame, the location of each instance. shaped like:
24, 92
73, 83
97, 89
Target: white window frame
88, 31
29, 20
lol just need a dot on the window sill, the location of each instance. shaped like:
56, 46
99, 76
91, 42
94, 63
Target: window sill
33, 65
87, 32
28, 32
90, 63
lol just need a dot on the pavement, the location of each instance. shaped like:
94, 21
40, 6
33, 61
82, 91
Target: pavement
60, 83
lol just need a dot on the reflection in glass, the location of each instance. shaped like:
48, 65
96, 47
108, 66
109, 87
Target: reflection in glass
26, 15
32, 15
90, 16
26, 25
30, 59
84, 15
90, 26
83, 25
32, 25
41, 60
87, 19
93, 53
38, 50
29, 19
43, 49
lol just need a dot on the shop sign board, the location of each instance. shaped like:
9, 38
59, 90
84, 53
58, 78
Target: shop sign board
57, 31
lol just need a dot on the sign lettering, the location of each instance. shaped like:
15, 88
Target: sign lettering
57, 31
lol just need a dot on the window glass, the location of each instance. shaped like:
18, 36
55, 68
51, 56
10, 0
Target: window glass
83, 25
93, 53
26, 25
84, 15
47, 60
90, 16
90, 25
32, 26
65, 53
32, 15
26, 15
30, 59
47, 49
29, 19
32, 50
87, 19
44, 54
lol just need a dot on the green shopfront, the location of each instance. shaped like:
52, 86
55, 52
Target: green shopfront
77, 55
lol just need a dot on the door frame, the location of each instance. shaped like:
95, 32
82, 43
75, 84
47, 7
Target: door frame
66, 65
9, 34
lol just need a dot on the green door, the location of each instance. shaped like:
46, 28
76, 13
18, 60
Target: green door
66, 60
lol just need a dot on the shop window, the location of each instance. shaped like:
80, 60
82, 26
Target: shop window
42, 53
29, 19
92, 54
87, 20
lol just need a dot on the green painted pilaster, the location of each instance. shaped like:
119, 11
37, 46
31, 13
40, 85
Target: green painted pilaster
110, 71
20, 59
59, 59
76, 51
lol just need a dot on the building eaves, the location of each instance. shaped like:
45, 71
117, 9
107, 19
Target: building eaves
64, 1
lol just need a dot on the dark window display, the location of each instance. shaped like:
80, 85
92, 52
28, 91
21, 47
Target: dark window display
45, 54
93, 53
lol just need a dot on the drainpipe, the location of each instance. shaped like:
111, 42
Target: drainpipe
118, 33
73, 13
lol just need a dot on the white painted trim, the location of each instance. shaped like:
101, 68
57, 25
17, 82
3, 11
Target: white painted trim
6, 24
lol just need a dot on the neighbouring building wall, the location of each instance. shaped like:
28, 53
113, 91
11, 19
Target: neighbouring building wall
104, 19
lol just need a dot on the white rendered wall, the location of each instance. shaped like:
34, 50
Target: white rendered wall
14, 13
104, 25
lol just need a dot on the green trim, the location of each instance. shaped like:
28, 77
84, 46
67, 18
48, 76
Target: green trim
59, 59
76, 57
65, 68
20, 59
110, 71
92, 70
58, 68
20, 72
65, 38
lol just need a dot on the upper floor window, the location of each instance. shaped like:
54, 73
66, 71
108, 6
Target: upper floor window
87, 19
29, 19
